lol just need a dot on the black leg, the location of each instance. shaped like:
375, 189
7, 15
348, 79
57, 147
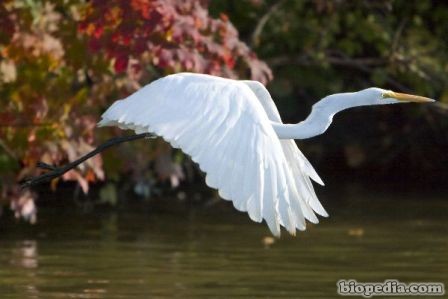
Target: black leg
55, 172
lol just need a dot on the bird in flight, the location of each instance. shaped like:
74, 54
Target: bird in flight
233, 131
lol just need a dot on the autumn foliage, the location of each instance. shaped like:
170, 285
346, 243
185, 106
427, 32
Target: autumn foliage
171, 35
63, 62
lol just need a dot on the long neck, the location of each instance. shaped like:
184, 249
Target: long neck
320, 117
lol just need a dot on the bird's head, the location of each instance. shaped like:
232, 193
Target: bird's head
378, 96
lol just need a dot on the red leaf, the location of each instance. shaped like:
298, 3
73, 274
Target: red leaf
98, 32
121, 63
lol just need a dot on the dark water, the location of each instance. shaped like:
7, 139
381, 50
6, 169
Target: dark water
172, 250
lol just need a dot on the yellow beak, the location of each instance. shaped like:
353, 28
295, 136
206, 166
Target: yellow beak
407, 97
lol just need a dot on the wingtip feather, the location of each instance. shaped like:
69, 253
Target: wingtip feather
102, 123
317, 179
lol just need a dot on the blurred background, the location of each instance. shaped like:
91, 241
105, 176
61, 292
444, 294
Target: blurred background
63, 62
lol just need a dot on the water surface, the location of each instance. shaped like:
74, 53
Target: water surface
168, 249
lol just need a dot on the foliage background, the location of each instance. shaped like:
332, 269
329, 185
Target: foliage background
63, 62
316, 48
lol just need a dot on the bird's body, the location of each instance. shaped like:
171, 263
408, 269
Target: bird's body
233, 130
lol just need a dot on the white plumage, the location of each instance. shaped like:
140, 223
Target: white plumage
230, 128
222, 125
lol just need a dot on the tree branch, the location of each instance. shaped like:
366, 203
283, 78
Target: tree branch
55, 172
332, 59
8, 151
366, 64
255, 38
24, 125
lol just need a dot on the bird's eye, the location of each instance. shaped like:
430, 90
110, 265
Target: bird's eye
387, 94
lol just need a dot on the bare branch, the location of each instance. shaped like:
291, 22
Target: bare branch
24, 125
440, 108
397, 36
7, 150
255, 38
365, 64
336, 60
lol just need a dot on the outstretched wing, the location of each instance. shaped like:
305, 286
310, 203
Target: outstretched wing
224, 128
301, 169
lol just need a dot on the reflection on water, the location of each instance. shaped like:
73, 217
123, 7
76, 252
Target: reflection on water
169, 250
25, 254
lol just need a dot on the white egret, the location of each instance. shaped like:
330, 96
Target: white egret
233, 130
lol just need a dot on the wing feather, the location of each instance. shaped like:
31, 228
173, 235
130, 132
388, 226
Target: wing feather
300, 168
222, 125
